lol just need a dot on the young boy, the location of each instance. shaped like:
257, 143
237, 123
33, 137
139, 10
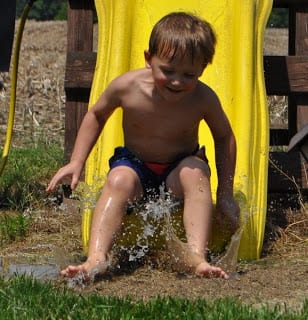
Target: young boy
163, 105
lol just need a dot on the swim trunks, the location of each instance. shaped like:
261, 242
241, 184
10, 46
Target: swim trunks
152, 175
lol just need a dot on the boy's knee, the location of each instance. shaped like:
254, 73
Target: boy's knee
123, 179
193, 175
190, 172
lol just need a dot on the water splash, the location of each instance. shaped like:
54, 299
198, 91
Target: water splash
150, 222
229, 259
154, 224
160, 225
82, 279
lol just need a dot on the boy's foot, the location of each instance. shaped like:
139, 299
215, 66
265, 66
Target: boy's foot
86, 270
72, 271
185, 260
207, 270
196, 264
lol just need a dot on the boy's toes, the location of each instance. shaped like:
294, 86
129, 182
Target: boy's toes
206, 270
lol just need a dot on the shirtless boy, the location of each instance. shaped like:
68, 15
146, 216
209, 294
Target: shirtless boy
162, 105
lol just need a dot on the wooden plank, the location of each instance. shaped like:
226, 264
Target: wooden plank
292, 114
286, 74
79, 39
288, 3
299, 140
301, 37
75, 111
302, 121
301, 48
302, 116
80, 25
79, 70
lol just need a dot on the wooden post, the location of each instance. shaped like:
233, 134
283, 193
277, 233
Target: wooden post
301, 101
288, 76
79, 41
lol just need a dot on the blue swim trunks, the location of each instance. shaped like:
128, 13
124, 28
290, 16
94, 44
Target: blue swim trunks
152, 175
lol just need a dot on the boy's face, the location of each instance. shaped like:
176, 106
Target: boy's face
174, 79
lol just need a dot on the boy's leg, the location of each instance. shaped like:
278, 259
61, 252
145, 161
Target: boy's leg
191, 182
122, 185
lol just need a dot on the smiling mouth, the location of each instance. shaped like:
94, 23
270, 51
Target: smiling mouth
174, 90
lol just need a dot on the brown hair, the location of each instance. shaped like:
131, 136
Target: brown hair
179, 34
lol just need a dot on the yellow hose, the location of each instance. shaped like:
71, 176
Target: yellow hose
11, 115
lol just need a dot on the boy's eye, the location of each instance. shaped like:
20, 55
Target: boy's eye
167, 71
190, 75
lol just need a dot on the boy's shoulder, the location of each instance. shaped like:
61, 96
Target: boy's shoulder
204, 91
133, 75
127, 81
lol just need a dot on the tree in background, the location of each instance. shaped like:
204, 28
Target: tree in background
57, 10
44, 9
279, 18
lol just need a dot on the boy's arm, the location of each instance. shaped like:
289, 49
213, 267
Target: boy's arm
225, 144
87, 136
92, 125
227, 209
225, 155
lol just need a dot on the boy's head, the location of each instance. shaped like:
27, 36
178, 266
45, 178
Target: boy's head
179, 34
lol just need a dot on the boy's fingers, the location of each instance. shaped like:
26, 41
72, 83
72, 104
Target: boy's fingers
55, 180
52, 185
74, 182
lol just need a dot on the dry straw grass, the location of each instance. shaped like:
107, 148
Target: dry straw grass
40, 90
291, 240
287, 228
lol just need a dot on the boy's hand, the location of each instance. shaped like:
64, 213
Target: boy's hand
227, 213
71, 171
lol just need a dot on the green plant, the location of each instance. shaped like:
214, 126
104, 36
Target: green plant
44, 10
279, 18
26, 175
27, 298
13, 226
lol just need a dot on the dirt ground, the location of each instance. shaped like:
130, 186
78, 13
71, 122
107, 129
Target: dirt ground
280, 276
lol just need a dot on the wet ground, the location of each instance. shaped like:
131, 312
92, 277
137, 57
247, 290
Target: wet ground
55, 240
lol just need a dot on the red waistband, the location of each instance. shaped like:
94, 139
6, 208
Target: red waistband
158, 168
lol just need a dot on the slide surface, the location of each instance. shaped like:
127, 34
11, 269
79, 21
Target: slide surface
236, 75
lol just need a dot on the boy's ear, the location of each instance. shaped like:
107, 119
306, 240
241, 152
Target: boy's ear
147, 58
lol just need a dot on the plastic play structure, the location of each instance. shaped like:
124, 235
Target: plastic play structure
236, 75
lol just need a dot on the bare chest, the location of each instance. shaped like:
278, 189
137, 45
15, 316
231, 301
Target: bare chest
151, 120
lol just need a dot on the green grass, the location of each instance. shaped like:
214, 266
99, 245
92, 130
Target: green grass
26, 175
27, 298
22, 187
13, 226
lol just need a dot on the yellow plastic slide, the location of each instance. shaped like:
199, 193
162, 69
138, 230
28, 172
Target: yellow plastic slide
236, 75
